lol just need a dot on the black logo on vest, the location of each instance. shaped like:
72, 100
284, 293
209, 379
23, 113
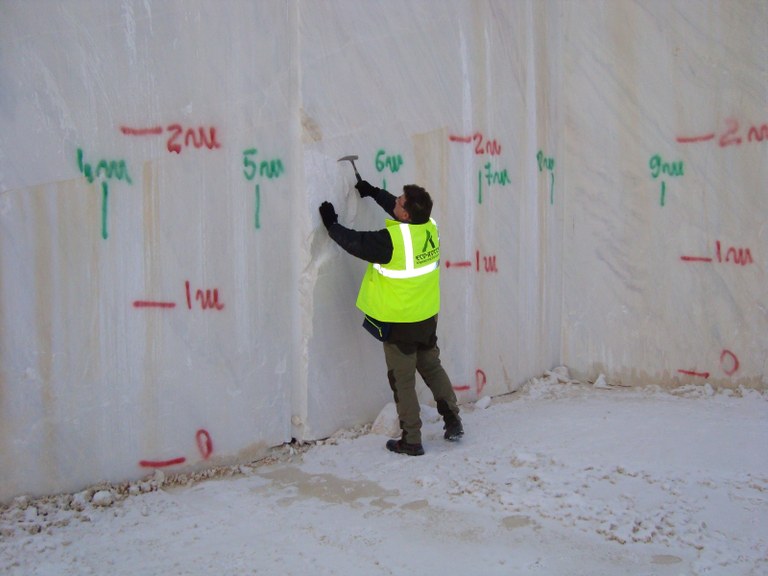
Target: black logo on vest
433, 253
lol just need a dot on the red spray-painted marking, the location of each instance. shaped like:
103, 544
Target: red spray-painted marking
693, 139
489, 263
486, 263
480, 382
732, 134
204, 443
742, 256
729, 364
197, 138
162, 463
694, 373
464, 264
482, 144
208, 299
734, 362
150, 304
695, 259
141, 131
733, 255
180, 137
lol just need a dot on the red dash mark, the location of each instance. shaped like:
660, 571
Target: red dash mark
162, 463
149, 304
204, 443
694, 373
693, 139
465, 264
695, 259
464, 139
141, 131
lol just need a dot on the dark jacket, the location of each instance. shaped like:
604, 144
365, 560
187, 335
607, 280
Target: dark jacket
375, 246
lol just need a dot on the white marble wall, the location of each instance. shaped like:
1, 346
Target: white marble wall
666, 133
535, 125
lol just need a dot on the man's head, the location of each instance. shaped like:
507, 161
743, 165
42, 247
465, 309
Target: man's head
414, 206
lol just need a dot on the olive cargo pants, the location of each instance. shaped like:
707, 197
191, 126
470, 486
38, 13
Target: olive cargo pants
413, 348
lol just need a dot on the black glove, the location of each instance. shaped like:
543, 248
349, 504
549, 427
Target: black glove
328, 214
365, 188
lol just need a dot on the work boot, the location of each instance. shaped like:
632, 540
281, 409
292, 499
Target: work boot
453, 431
404, 448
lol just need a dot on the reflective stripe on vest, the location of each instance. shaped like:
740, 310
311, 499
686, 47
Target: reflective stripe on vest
410, 269
407, 288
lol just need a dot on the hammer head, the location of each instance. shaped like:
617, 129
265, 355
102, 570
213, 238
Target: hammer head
351, 158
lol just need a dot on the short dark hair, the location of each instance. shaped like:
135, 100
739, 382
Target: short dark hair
417, 203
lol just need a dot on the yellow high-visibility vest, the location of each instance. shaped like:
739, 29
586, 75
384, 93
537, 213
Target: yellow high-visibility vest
407, 288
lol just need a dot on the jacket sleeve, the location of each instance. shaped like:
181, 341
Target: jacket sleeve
385, 200
373, 247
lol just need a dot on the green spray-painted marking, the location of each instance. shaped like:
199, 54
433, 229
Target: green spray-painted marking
659, 167
548, 164
252, 169
266, 168
384, 161
105, 170
104, 198
480, 187
258, 208
492, 178
552, 189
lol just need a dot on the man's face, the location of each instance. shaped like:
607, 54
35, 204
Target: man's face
400, 212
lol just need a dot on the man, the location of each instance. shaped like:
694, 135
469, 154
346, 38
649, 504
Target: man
400, 296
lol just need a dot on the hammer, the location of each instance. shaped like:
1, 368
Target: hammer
351, 158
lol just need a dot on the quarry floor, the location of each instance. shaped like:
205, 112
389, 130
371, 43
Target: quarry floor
553, 479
